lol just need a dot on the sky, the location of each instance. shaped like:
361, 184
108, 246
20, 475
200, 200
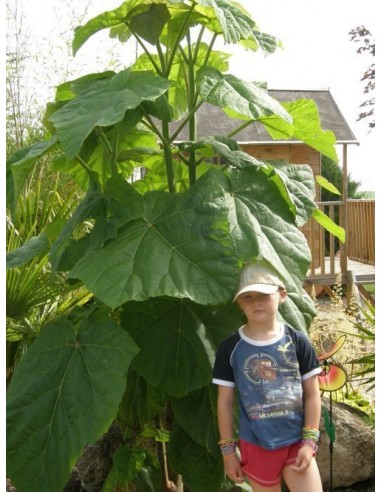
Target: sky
317, 54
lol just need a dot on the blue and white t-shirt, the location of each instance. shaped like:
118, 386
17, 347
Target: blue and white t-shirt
268, 376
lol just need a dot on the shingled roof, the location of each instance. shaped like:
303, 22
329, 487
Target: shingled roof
211, 120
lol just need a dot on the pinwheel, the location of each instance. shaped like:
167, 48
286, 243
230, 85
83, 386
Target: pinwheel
332, 378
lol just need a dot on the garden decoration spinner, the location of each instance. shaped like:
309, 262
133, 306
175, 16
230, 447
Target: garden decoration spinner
331, 379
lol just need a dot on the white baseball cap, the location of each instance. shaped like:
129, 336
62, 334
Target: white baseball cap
258, 278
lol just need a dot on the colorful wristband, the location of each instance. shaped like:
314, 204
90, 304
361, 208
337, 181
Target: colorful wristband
228, 447
310, 434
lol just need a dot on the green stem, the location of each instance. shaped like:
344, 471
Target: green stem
151, 125
181, 126
192, 115
178, 39
210, 47
239, 128
113, 163
161, 57
83, 164
152, 60
168, 159
109, 151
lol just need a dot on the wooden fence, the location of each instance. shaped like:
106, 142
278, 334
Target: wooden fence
361, 231
329, 256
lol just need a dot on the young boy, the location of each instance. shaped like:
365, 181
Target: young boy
274, 369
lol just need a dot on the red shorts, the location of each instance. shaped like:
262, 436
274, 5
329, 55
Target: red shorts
264, 466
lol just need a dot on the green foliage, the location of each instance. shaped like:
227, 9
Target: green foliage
34, 295
329, 424
133, 466
162, 252
366, 363
69, 368
334, 175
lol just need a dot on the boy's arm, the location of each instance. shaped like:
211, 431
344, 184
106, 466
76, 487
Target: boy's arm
225, 412
312, 402
312, 411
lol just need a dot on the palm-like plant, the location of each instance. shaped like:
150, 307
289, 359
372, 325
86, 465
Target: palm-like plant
34, 295
366, 363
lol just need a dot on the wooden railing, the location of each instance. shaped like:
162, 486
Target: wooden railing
329, 255
361, 231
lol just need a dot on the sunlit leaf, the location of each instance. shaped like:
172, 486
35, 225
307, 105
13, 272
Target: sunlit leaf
104, 103
102, 21
305, 127
329, 224
237, 96
324, 183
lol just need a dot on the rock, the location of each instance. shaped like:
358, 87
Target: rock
353, 455
93, 466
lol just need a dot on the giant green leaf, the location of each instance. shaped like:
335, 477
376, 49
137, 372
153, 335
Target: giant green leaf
150, 23
267, 42
176, 350
104, 103
60, 397
235, 23
182, 18
144, 17
298, 179
263, 216
196, 414
141, 403
67, 90
178, 340
177, 245
102, 21
305, 127
220, 321
201, 471
134, 147
263, 226
241, 97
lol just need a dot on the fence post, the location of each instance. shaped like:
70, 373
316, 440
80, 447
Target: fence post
343, 249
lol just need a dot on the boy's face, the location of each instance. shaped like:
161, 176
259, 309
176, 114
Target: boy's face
260, 307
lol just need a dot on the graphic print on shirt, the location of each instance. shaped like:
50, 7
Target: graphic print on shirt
275, 389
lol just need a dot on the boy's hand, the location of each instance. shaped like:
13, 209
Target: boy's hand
233, 469
303, 458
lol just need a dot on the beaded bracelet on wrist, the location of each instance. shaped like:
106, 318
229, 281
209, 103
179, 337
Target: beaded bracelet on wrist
228, 447
311, 434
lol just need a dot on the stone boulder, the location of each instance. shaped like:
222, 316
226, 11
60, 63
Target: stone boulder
353, 454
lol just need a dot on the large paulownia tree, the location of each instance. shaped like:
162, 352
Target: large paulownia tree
161, 254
